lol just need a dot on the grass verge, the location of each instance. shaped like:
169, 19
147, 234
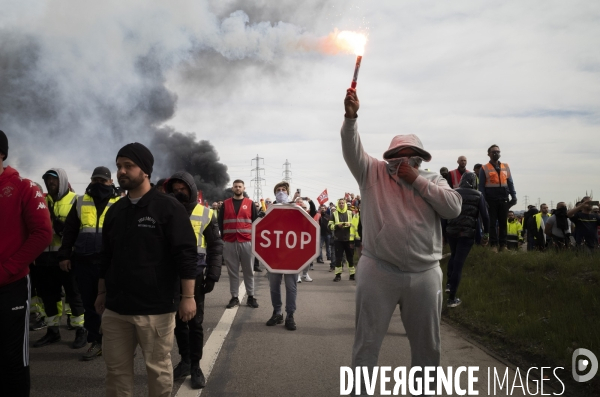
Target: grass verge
533, 308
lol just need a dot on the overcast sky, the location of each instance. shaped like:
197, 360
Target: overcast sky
253, 78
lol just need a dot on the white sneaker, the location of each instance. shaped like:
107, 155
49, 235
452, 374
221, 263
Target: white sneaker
307, 278
299, 279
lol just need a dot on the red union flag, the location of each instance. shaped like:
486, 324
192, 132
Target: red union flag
286, 240
323, 197
200, 198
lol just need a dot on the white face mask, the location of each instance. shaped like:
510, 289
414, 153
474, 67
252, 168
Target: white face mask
281, 197
394, 164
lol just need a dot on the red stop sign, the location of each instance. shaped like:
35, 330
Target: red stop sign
286, 240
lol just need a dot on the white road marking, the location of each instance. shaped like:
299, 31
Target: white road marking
212, 347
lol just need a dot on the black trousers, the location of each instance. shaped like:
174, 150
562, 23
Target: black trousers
49, 284
342, 247
190, 335
498, 211
459, 248
87, 273
14, 338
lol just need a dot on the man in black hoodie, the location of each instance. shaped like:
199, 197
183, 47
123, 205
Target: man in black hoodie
190, 335
148, 251
81, 246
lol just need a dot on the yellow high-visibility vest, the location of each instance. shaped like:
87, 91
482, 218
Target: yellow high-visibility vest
88, 217
61, 209
336, 221
200, 219
354, 226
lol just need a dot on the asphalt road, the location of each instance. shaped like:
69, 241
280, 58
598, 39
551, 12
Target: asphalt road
255, 360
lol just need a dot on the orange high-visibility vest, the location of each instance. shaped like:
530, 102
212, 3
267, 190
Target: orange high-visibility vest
237, 227
492, 179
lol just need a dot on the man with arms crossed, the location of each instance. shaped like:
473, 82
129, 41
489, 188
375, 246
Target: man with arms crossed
148, 247
402, 243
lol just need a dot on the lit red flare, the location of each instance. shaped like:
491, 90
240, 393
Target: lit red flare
355, 42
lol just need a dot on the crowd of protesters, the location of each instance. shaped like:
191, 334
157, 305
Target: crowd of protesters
132, 260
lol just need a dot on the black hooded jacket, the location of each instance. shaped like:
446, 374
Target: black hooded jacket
212, 236
473, 206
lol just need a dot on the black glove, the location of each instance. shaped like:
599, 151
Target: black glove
208, 285
512, 202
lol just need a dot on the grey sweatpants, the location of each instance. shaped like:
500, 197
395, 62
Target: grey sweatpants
235, 254
380, 288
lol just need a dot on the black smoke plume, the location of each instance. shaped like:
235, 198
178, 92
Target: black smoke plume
176, 151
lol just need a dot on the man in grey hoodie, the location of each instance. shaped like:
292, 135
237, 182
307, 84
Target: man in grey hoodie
59, 200
401, 207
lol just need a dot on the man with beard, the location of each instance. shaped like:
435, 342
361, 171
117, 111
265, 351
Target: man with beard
60, 200
81, 247
456, 174
496, 184
235, 223
190, 335
558, 227
148, 251
26, 230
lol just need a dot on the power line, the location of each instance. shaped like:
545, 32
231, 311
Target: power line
287, 173
258, 180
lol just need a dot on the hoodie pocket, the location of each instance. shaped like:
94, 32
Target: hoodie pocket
390, 244
404, 244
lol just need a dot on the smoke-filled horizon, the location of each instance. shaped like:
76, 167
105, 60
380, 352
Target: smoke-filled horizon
80, 80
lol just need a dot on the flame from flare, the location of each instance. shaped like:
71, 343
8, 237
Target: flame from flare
351, 41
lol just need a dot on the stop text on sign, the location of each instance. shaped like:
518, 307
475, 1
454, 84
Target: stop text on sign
291, 239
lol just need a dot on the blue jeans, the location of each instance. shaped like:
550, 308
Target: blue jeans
459, 248
324, 240
290, 292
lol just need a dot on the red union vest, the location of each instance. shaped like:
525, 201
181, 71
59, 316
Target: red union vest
492, 179
456, 175
237, 227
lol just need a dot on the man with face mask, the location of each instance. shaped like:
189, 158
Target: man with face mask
60, 201
282, 198
496, 184
190, 335
402, 206
81, 247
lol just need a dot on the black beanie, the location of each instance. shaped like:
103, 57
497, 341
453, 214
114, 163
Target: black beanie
3, 144
139, 154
